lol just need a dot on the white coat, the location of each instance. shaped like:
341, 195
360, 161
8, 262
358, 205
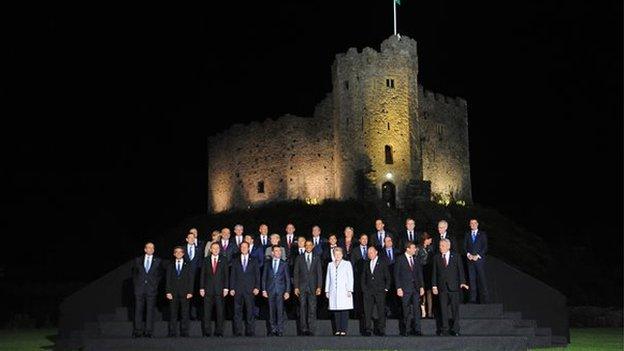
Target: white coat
339, 285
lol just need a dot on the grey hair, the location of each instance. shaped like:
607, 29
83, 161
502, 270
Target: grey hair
238, 226
443, 222
447, 241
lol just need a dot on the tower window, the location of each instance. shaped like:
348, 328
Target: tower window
440, 130
388, 125
346, 85
260, 187
388, 152
390, 83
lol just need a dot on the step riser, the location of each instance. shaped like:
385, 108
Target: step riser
468, 327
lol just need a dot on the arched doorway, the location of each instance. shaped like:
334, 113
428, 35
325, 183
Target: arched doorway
388, 194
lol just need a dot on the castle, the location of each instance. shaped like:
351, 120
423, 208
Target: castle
378, 135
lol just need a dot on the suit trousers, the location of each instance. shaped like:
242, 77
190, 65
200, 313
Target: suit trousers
216, 301
144, 305
244, 302
307, 311
449, 307
378, 301
478, 283
179, 305
276, 311
410, 305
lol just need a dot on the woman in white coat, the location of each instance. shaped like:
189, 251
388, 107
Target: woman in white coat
339, 290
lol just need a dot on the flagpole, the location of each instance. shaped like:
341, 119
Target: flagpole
394, 11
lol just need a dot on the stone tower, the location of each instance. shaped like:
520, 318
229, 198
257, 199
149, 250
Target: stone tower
376, 139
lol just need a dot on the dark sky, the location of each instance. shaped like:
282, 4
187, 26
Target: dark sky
107, 110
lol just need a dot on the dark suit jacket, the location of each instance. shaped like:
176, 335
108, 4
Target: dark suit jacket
356, 255
348, 251
436, 242
180, 285
257, 251
245, 281
374, 241
146, 282
479, 247
448, 278
403, 239
318, 249
229, 251
378, 281
197, 259
258, 241
233, 239
383, 254
276, 282
214, 283
406, 278
308, 280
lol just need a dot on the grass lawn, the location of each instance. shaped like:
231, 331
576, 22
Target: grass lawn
27, 340
590, 339
586, 339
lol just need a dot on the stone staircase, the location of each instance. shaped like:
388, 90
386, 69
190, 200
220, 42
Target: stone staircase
483, 327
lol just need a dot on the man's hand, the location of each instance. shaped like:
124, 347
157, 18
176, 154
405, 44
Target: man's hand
400, 292
202, 292
189, 296
297, 292
327, 295
463, 286
422, 291
169, 296
470, 257
434, 290
286, 296
255, 292
232, 292
225, 292
265, 294
318, 291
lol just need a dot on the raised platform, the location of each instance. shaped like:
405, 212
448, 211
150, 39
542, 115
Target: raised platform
507, 343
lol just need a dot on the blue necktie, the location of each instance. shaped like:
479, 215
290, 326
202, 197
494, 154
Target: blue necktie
390, 254
274, 266
148, 264
192, 252
363, 252
474, 237
244, 264
178, 268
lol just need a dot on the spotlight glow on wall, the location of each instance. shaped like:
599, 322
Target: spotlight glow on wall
388, 175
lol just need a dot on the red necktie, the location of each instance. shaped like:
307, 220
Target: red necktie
214, 266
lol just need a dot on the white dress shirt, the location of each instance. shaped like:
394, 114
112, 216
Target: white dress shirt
373, 262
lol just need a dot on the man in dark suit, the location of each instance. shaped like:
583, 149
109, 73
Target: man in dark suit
328, 251
359, 257
244, 286
296, 252
194, 255
408, 235
443, 234
227, 246
408, 277
256, 251
263, 239
276, 287
375, 282
146, 275
476, 245
389, 252
179, 291
377, 239
308, 281
319, 243
447, 280
239, 237
213, 287
198, 243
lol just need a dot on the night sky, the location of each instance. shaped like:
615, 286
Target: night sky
107, 111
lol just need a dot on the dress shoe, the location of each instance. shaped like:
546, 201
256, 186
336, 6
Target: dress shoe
219, 335
249, 334
366, 333
238, 334
184, 335
270, 333
454, 333
403, 333
416, 333
147, 335
279, 334
381, 334
137, 334
172, 335
206, 334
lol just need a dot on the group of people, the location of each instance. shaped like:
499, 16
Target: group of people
422, 273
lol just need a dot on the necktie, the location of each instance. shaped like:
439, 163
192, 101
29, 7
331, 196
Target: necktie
411, 262
410, 238
275, 266
390, 254
178, 268
225, 245
244, 264
308, 261
474, 236
379, 238
148, 264
214, 266
191, 251
363, 251
289, 242
315, 241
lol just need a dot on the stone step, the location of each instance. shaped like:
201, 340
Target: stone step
543, 331
525, 323
468, 311
539, 341
468, 327
467, 343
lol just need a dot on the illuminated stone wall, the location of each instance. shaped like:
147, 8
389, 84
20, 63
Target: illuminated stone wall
375, 102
